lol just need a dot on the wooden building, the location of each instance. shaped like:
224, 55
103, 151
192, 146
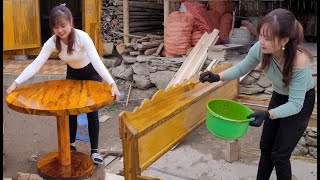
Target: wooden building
26, 23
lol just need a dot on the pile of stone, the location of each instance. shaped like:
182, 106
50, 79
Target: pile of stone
307, 145
257, 84
147, 71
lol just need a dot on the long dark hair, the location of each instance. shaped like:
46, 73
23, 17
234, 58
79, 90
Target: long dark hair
58, 12
282, 23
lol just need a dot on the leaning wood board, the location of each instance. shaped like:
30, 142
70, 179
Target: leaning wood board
195, 59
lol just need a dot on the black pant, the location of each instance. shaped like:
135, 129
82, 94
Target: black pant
280, 137
86, 73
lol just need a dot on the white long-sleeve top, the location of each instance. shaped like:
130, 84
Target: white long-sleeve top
84, 53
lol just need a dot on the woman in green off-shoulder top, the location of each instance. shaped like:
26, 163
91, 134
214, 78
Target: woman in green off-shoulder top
287, 65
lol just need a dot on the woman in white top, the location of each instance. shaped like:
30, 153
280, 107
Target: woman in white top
76, 48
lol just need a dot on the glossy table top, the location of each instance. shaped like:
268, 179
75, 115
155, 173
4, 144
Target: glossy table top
60, 97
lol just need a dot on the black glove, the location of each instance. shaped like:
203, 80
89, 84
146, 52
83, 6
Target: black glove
258, 116
209, 76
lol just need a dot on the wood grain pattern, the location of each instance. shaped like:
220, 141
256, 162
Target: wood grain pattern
81, 166
146, 178
63, 140
22, 24
91, 15
159, 123
8, 33
60, 97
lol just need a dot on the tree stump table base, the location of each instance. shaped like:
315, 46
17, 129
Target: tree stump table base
81, 166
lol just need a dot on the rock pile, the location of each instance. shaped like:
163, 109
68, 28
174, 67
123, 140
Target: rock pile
147, 71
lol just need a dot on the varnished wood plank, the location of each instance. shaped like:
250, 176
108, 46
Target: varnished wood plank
146, 178
75, 97
166, 118
91, 16
81, 166
8, 33
63, 140
22, 27
172, 131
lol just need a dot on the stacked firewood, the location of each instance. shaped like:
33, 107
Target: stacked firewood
147, 45
144, 17
110, 21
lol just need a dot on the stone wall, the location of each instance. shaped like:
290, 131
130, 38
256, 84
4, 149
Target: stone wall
307, 145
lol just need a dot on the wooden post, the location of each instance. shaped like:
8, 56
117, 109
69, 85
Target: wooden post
165, 11
126, 20
64, 140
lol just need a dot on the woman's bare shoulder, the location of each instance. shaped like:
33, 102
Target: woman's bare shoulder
301, 60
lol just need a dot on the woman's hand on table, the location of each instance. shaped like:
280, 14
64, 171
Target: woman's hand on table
115, 91
12, 87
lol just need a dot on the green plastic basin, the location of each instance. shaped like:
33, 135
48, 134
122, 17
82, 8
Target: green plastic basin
227, 119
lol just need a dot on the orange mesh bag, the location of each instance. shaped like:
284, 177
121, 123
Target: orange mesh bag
196, 35
177, 33
225, 26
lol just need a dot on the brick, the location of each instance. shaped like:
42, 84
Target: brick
231, 150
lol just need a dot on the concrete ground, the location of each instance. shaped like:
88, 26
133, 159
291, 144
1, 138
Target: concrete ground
199, 157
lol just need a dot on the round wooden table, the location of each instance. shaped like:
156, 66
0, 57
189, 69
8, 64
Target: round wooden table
62, 98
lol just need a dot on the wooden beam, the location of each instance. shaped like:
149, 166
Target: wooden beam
159, 49
126, 21
139, 9
144, 28
150, 51
142, 24
143, 13
123, 34
165, 11
147, 5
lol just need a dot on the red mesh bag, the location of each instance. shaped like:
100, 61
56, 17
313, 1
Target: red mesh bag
200, 14
202, 21
214, 17
221, 6
225, 26
177, 33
